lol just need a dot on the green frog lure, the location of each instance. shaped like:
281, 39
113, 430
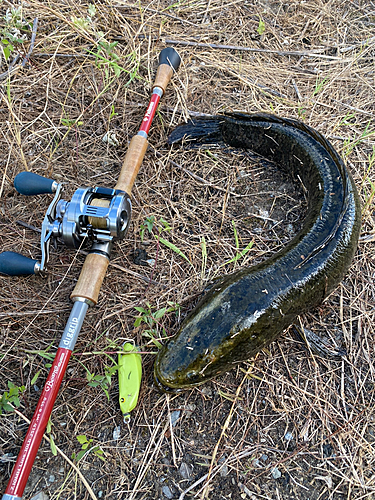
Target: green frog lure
129, 378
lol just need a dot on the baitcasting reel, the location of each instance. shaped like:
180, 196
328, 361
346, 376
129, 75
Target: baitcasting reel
100, 215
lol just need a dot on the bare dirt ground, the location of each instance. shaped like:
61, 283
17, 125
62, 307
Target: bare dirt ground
285, 425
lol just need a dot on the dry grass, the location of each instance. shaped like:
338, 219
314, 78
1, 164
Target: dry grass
316, 63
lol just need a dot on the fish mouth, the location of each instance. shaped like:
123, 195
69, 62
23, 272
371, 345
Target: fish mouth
173, 388
168, 389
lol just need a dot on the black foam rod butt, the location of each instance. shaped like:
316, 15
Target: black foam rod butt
171, 57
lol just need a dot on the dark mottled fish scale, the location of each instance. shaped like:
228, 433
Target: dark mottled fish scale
236, 318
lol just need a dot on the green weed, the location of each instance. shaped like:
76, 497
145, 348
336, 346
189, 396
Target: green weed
204, 258
346, 120
261, 27
319, 84
301, 112
11, 397
104, 52
155, 329
51, 438
156, 228
369, 193
10, 32
102, 381
87, 446
239, 254
351, 143
70, 123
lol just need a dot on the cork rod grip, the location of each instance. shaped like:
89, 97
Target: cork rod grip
132, 162
91, 278
163, 76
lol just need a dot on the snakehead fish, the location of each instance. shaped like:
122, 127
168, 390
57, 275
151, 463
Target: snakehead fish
245, 311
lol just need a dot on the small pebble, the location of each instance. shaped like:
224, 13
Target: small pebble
264, 458
276, 474
246, 491
167, 491
206, 391
189, 409
117, 433
175, 415
51, 479
288, 436
100, 494
40, 496
185, 470
224, 471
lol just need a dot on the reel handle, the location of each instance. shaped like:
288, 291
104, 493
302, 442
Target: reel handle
28, 183
15, 264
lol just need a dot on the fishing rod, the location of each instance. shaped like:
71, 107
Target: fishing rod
100, 215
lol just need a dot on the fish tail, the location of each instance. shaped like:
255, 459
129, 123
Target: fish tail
202, 130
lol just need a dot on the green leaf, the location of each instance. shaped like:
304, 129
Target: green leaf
82, 439
7, 407
117, 70
35, 378
149, 223
49, 426
80, 454
167, 227
159, 314
174, 248
93, 384
141, 309
92, 10
6, 52
157, 343
16, 401
46, 355
113, 113
261, 27
53, 446
239, 255
138, 321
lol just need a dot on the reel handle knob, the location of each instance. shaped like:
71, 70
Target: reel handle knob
29, 183
15, 264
